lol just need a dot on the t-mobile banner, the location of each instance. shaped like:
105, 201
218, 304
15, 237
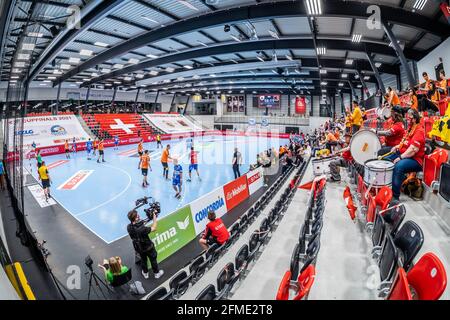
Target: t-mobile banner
255, 180
235, 192
214, 200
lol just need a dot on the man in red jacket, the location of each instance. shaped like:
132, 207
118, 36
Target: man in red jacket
215, 232
345, 157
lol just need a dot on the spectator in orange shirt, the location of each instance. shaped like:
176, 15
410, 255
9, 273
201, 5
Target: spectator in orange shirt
330, 141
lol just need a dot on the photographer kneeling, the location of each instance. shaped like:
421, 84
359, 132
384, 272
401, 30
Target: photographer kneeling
144, 246
215, 232
112, 268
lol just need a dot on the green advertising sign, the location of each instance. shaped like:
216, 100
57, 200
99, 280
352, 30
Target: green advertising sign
174, 232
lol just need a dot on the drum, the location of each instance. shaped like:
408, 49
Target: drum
378, 173
321, 166
364, 146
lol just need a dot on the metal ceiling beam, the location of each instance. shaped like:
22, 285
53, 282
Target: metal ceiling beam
91, 14
240, 47
332, 8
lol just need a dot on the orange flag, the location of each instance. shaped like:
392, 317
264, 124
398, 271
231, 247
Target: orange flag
307, 186
349, 202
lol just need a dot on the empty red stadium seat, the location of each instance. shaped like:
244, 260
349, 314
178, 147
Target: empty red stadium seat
283, 290
400, 288
432, 165
383, 198
371, 206
428, 278
305, 282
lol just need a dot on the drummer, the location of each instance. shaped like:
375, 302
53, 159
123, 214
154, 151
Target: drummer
395, 134
409, 154
343, 160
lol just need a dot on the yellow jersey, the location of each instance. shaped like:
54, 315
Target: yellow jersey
43, 173
357, 119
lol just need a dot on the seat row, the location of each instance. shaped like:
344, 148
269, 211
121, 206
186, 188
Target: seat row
298, 280
395, 246
187, 277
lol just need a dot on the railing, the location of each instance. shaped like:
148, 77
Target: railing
297, 121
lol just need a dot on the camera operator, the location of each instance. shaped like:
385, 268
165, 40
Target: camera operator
144, 246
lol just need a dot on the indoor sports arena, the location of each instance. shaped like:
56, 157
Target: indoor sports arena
239, 150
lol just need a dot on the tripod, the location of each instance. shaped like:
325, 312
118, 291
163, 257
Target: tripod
98, 281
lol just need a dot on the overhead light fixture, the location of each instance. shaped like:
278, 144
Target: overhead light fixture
101, 44
51, 78
74, 60
127, 78
35, 34
314, 7
86, 79
117, 82
274, 71
341, 84
94, 75
85, 52
274, 34
28, 46
378, 64
152, 56
170, 69
323, 71
19, 64
150, 19
321, 51
323, 83
356, 76
202, 43
359, 86
420, 4
344, 75
23, 56
14, 70
153, 73
235, 38
56, 71
65, 66
188, 67
14, 77
274, 56
349, 61
212, 75
356, 38
260, 57
189, 5
324, 91
196, 76
140, 76
133, 61
106, 70
118, 66
366, 78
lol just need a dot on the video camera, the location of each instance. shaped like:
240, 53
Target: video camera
154, 207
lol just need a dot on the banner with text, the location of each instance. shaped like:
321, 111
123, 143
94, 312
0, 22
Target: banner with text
300, 105
235, 192
214, 200
255, 180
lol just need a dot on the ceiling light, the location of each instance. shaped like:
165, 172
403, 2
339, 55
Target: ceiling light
349, 61
154, 73
23, 56
274, 34
94, 74
196, 76
14, 70
321, 51
14, 77
118, 66
356, 76
150, 19
323, 83
48, 81
85, 52
323, 71
341, 84
74, 60
235, 38
170, 69
105, 70
140, 75
35, 34
212, 75
344, 75
133, 61
65, 66
28, 46
202, 43
189, 5
19, 64
127, 78
51, 78
359, 86
86, 79
101, 44
152, 56
323, 90
366, 78
56, 71
188, 67
289, 57
314, 7
420, 4
378, 64
356, 38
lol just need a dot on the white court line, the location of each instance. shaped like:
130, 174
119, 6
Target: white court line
113, 198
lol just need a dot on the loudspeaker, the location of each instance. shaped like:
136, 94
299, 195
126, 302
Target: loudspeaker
54, 31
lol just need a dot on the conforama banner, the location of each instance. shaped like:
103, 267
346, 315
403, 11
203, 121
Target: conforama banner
300, 105
235, 192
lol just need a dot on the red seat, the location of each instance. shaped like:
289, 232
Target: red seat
283, 290
383, 198
432, 165
371, 207
305, 282
400, 288
428, 278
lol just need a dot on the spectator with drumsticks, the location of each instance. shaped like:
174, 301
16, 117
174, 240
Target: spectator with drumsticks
345, 157
408, 155
394, 135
